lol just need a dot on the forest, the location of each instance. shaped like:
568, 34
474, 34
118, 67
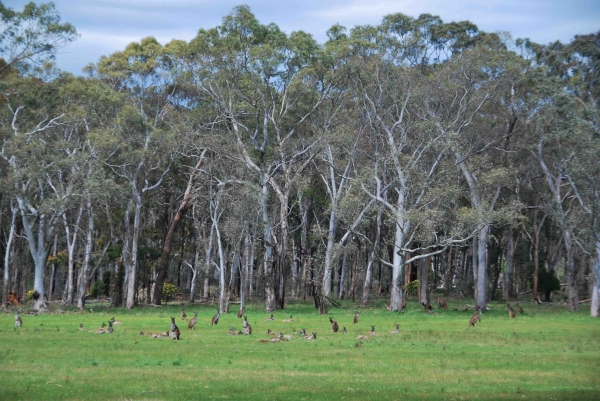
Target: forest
413, 159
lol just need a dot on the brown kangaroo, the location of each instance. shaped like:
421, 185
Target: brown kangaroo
193, 321
388, 307
443, 304
511, 311
334, 325
427, 306
174, 330
245, 321
475, 318
355, 317
403, 303
215, 319
248, 330
183, 314
241, 312
521, 311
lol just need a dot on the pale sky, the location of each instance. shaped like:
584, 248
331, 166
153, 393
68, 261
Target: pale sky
106, 26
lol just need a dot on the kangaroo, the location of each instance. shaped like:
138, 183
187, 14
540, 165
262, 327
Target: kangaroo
269, 318
174, 330
372, 332
403, 303
103, 325
291, 319
115, 322
388, 307
475, 318
215, 319
397, 329
427, 306
312, 337
183, 314
521, 311
361, 337
443, 304
110, 327
355, 317
511, 311
245, 321
271, 333
241, 312
234, 333
80, 327
344, 329
248, 330
18, 320
334, 325
193, 321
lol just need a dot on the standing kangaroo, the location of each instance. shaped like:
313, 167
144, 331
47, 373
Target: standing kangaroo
183, 314
245, 321
355, 317
521, 311
215, 319
18, 320
511, 311
475, 318
443, 304
174, 330
193, 321
241, 312
334, 325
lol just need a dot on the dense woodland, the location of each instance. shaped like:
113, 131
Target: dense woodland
251, 164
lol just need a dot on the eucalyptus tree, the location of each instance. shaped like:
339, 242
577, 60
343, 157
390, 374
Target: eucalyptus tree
263, 86
401, 97
31, 37
137, 149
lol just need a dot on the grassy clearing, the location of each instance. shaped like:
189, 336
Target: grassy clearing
549, 353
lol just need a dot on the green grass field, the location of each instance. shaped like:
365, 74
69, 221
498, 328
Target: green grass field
548, 353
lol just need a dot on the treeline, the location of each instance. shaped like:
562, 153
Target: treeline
248, 163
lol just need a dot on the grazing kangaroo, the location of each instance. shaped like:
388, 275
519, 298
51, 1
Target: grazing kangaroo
291, 319
193, 321
215, 319
443, 304
427, 306
245, 321
174, 330
18, 320
110, 328
397, 329
521, 311
334, 325
183, 314
344, 329
248, 330
355, 317
511, 311
241, 312
475, 318
269, 318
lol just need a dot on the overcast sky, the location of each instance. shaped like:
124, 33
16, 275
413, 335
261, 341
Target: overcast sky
106, 26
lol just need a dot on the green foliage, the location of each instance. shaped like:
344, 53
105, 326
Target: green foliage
99, 288
412, 288
169, 289
547, 281
29, 295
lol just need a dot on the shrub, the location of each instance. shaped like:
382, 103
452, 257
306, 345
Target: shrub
169, 290
97, 289
412, 288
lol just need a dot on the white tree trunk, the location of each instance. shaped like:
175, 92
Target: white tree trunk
482, 288
11, 234
402, 227
595, 307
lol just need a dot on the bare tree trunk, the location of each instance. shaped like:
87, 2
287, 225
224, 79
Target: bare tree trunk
71, 243
207, 259
571, 272
595, 307
424, 269
510, 255
7, 255
369, 270
482, 287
